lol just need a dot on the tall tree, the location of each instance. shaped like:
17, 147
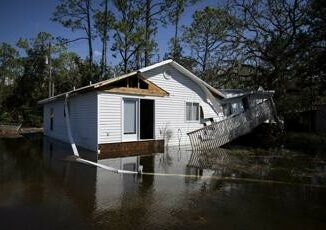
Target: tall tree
175, 11
76, 15
153, 13
32, 85
274, 41
67, 73
317, 29
208, 35
128, 35
10, 71
8, 64
104, 23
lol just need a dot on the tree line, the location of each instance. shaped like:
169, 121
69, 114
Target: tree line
275, 44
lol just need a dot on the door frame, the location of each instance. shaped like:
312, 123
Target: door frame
135, 137
150, 99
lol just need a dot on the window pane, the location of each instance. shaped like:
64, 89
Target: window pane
188, 111
129, 116
51, 118
195, 111
227, 109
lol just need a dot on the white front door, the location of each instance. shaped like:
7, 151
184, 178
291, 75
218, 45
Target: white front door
130, 119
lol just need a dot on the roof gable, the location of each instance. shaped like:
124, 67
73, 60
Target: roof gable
135, 85
107, 83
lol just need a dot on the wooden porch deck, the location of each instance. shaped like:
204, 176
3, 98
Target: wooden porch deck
223, 132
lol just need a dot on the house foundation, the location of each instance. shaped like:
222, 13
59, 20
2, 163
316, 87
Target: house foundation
132, 148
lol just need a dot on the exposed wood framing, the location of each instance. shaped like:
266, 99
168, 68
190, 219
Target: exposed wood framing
128, 88
135, 91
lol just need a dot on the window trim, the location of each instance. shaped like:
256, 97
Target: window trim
51, 118
198, 112
136, 100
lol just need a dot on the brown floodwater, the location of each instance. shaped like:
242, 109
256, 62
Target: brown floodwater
41, 187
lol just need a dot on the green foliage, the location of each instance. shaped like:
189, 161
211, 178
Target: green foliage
277, 45
10, 69
76, 15
104, 21
175, 9
207, 37
128, 34
18, 101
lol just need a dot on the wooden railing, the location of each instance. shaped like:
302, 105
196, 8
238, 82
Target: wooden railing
224, 131
10, 127
211, 159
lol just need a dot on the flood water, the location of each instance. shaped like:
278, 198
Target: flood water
238, 188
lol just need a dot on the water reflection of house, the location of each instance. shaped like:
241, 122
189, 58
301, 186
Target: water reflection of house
88, 184
79, 179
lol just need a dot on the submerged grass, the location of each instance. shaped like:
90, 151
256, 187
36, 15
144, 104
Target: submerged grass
306, 142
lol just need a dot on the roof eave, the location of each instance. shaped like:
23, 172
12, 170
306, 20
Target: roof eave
196, 79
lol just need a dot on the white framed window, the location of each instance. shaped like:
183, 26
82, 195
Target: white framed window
192, 111
130, 116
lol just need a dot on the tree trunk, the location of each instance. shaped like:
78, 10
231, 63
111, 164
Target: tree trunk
147, 31
89, 34
176, 33
104, 40
125, 58
103, 65
137, 59
206, 52
205, 56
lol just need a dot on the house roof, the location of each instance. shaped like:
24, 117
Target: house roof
97, 85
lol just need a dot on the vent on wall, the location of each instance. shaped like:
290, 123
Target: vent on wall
167, 74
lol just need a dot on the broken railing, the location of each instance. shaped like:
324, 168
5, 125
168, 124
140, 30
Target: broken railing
224, 131
10, 127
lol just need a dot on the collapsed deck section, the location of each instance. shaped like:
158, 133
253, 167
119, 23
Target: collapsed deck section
227, 130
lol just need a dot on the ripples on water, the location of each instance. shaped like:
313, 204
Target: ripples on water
42, 188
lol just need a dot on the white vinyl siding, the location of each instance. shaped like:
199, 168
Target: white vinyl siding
97, 117
170, 112
109, 118
83, 120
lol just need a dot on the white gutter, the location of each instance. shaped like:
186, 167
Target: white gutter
106, 167
147, 68
71, 139
75, 150
203, 85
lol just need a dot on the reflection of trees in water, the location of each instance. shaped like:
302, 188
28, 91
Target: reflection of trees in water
21, 162
225, 163
79, 180
271, 165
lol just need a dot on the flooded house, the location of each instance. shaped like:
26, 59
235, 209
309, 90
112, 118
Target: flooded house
162, 104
